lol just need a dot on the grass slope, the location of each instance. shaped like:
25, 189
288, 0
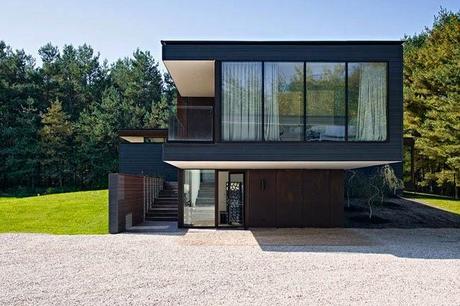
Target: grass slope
82, 212
450, 205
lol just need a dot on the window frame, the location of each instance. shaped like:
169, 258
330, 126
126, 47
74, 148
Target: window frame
346, 140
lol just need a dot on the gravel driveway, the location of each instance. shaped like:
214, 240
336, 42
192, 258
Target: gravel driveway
208, 267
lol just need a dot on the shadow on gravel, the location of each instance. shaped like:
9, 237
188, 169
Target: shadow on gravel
157, 228
405, 243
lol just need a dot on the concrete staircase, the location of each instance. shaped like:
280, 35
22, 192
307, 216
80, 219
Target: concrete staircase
165, 205
205, 195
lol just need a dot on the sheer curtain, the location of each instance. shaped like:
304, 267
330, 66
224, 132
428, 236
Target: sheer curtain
371, 118
271, 103
241, 101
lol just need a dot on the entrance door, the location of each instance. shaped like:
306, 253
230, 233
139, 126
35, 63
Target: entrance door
231, 199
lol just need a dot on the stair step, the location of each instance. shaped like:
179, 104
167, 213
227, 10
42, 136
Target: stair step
162, 215
161, 203
168, 194
165, 205
161, 218
154, 208
160, 211
166, 199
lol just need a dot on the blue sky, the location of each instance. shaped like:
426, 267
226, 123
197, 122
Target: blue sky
116, 28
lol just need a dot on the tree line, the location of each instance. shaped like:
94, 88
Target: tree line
59, 120
432, 103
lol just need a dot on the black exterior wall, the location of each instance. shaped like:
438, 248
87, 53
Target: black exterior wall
389, 52
145, 159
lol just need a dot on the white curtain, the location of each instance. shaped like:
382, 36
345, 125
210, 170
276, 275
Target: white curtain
241, 101
371, 119
271, 111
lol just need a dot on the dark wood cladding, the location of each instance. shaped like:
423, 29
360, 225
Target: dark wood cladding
323, 198
295, 198
289, 197
126, 201
261, 209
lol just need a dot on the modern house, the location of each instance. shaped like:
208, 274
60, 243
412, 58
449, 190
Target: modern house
263, 131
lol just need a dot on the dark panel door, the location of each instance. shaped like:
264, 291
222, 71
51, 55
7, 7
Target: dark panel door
289, 198
262, 198
316, 212
336, 199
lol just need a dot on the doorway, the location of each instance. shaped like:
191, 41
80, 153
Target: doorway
231, 199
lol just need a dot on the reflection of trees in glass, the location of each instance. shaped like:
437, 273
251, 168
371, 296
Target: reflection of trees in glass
325, 89
290, 91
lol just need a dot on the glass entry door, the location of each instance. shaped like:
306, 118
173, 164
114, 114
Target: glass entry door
231, 199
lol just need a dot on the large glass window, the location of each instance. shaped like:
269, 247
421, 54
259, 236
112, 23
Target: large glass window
242, 101
367, 101
325, 86
277, 94
283, 101
199, 197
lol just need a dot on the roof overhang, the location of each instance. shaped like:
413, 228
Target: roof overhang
193, 78
276, 164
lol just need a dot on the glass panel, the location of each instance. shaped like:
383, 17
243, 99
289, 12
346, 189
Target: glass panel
283, 101
191, 123
367, 101
325, 101
199, 198
241, 101
231, 198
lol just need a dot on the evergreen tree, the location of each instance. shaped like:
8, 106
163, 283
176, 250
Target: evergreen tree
158, 116
432, 99
55, 138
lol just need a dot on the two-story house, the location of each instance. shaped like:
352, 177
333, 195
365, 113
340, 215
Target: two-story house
263, 131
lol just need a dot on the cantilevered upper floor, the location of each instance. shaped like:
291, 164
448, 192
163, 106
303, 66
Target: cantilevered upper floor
285, 104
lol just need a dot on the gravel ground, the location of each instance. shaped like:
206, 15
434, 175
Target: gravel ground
208, 267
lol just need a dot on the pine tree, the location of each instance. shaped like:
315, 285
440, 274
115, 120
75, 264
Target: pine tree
432, 99
55, 137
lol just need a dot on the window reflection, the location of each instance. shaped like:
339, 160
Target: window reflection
283, 101
325, 85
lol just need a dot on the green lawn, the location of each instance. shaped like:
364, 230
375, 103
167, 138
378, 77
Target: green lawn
82, 212
441, 203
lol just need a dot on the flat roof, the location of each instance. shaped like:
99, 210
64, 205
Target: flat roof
281, 42
143, 132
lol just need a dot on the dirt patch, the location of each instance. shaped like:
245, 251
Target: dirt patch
398, 213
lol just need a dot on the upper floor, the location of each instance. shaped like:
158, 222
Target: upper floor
329, 102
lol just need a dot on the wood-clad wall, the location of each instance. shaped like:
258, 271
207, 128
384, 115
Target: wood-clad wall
126, 201
295, 198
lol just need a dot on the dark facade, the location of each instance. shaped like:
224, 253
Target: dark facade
145, 159
347, 52
264, 131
